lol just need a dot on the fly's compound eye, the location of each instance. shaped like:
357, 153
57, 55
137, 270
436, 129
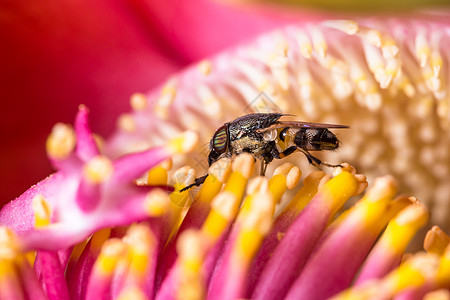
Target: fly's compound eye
220, 139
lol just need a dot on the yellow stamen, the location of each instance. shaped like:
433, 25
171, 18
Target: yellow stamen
401, 230
132, 292
138, 101
254, 222
442, 294
42, 211
126, 122
141, 242
211, 104
389, 48
372, 36
443, 273
337, 190
157, 203
205, 67
183, 143
412, 273
242, 167
361, 179
182, 177
168, 94
436, 241
304, 44
218, 174
306, 193
107, 260
158, 174
319, 43
347, 26
436, 62
98, 169
61, 141
9, 246
422, 48
290, 172
191, 253
224, 208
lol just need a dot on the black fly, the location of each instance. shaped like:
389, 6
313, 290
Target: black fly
266, 138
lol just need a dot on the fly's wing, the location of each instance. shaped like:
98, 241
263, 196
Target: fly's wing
298, 124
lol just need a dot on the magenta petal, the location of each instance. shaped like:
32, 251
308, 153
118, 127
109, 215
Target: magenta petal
131, 166
292, 252
20, 208
86, 148
31, 285
52, 275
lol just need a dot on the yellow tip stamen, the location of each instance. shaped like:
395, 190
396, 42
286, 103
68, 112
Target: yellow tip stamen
140, 241
107, 260
441, 294
221, 169
191, 253
319, 43
412, 273
157, 202
42, 211
306, 193
98, 169
205, 67
61, 141
443, 273
138, 101
254, 222
126, 122
401, 230
347, 26
291, 172
168, 94
224, 208
242, 167
9, 246
383, 188
337, 190
158, 174
134, 293
304, 43
184, 143
436, 241
422, 48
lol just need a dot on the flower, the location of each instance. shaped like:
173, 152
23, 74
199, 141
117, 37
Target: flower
230, 244
99, 234
386, 78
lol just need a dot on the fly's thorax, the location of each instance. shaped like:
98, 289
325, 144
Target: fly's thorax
255, 145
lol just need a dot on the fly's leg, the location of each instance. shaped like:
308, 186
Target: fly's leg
198, 181
315, 161
263, 167
268, 157
288, 151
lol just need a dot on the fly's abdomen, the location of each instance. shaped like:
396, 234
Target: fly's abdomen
316, 139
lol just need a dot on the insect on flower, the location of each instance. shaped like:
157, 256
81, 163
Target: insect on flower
266, 138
